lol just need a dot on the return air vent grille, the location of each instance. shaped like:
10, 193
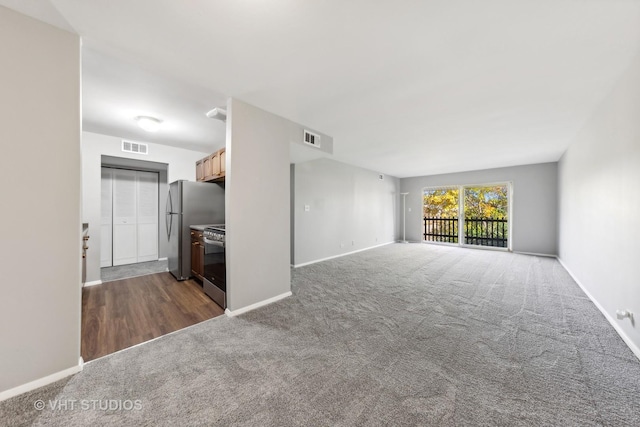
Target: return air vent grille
134, 147
311, 139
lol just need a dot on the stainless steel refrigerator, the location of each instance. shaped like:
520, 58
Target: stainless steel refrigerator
190, 203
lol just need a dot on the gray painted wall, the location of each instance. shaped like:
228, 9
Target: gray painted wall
40, 171
257, 205
599, 178
350, 209
534, 203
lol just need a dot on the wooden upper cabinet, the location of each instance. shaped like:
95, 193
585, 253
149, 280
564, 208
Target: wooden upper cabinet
212, 167
215, 163
199, 171
207, 167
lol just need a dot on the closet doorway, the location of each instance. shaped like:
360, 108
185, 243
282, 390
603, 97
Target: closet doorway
129, 227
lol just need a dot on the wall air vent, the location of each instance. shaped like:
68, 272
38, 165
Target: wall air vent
134, 147
311, 138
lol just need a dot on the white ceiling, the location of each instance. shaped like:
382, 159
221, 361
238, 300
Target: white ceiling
405, 88
115, 92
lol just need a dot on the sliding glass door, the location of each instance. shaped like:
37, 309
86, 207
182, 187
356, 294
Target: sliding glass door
475, 215
486, 215
441, 213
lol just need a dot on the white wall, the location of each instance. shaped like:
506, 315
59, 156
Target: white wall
599, 180
535, 201
350, 209
181, 165
257, 205
41, 228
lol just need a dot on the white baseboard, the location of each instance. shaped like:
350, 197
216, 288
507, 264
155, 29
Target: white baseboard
94, 283
634, 348
162, 259
257, 305
41, 382
536, 254
341, 255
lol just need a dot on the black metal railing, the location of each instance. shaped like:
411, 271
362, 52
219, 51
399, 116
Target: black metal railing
441, 230
477, 231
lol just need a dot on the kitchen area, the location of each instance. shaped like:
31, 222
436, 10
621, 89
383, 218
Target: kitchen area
211, 256
185, 283
153, 154
110, 103
195, 222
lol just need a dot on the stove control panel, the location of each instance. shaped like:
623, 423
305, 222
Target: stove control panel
214, 234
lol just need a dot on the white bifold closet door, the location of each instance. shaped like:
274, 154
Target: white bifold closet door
135, 216
147, 208
125, 237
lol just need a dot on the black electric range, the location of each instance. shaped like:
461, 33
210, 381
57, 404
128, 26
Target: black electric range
215, 269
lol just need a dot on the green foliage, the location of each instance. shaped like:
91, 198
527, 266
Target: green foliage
486, 202
441, 203
481, 204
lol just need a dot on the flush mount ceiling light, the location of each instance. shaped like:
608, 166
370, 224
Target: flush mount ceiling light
150, 124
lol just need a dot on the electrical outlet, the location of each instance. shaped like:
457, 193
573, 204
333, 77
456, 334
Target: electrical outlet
307, 208
353, 242
409, 209
622, 314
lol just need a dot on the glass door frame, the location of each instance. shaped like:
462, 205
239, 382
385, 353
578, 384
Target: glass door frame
461, 219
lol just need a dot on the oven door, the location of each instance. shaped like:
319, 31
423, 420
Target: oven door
214, 283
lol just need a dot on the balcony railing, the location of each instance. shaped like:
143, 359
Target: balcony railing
477, 231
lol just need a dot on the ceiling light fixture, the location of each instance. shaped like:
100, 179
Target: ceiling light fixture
150, 124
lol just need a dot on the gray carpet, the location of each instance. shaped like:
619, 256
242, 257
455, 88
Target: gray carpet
401, 335
109, 274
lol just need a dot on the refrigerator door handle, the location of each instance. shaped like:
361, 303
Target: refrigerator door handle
168, 222
168, 219
169, 206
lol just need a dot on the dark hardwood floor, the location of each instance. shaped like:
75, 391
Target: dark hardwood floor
119, 314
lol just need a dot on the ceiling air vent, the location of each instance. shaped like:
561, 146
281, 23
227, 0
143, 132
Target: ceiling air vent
134, 147
311, 138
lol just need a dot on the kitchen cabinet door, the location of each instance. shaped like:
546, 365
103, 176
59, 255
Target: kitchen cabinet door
215, 164
206, 167
197, 254
199, 171
195, 258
